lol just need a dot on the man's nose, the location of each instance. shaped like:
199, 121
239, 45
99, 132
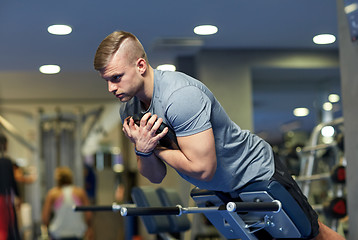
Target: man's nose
111, 87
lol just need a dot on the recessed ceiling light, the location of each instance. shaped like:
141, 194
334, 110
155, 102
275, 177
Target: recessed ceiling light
327, 131
59, 29
324, 39
205, 30
301, 112
118, 168
333, 98
327, 106
167, 67
50, 69
351, 8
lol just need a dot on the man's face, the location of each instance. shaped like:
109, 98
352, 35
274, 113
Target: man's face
122, 76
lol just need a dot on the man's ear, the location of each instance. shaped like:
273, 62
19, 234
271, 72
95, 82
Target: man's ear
141, 65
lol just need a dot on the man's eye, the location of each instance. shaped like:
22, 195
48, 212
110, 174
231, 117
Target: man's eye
116, 78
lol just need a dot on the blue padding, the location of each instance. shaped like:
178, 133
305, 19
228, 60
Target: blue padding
148, 197
289, 204
170, 198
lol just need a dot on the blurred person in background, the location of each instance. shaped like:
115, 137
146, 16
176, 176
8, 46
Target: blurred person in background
66, 224
8, 193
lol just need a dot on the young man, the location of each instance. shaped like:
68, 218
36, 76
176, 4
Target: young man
213, 152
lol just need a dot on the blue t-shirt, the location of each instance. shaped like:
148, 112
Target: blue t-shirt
189, 107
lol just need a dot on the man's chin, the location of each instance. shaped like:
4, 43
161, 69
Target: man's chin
124, 99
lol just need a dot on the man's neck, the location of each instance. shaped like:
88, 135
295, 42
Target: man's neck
146, 98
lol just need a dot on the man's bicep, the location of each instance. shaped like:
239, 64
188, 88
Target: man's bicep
199, 149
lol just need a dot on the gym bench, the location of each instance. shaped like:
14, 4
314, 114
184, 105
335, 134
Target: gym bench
264, 205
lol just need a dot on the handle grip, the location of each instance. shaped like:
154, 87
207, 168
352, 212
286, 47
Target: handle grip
274, 206
92, 208
145, 211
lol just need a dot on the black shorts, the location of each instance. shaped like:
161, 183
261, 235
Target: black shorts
283, 176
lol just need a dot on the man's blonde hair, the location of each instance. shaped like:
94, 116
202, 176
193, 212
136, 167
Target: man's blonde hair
110, 45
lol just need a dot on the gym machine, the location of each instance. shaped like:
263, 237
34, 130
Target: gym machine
331, 174
264, 205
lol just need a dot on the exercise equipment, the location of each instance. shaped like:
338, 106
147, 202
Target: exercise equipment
264, 205
336, 208
151, 201
317, 180
339, 174
289, 221
309, 153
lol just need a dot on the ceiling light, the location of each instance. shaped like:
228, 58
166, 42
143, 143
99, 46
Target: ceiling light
301, 112
118, 168
327, 131
50, 69
324, 39
327, 106
167, 67
205, 30
351, 8
333, 98
59, 29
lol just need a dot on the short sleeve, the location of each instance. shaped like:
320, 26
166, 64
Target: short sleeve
188, 111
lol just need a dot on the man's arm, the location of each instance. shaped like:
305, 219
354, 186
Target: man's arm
196, 157
145, 139
153, 168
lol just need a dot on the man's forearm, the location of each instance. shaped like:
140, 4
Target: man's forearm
152, 168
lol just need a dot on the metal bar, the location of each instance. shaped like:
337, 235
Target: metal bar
92, 208
132, 210
274, 206
145, 211
318, 147
318, 207
313, 177
177, 210
97, 114
9, 128
115, 207
200, 210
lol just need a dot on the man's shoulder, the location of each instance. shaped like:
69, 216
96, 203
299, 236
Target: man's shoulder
169, 83
171, 77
